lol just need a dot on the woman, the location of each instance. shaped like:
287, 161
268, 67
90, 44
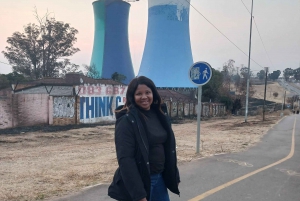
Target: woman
145, 146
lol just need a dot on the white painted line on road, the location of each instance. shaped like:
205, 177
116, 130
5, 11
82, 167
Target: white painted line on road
214, 190
95, 185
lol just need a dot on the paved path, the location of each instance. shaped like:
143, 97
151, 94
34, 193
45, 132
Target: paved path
269, 171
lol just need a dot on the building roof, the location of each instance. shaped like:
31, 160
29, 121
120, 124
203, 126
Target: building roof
71, 79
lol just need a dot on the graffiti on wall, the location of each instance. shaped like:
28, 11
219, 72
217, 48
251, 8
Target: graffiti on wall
63, 106
213, 110
174, 109
180, 109
191, 108
217, 110
205, 110
186, 109
98, 102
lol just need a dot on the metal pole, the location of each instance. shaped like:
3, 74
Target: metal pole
248, 79
284, 100
282, 106
264, 110
198, 118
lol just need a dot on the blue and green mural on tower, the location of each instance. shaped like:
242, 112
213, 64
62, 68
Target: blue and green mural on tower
111, 51
167, 55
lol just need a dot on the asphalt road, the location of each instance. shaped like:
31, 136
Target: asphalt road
269, 171
288, 87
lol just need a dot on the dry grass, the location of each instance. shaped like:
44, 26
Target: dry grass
38, 166
271, 88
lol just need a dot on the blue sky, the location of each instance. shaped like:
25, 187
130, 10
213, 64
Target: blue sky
276, 42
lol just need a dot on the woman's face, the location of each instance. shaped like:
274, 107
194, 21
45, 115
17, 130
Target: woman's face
143, 97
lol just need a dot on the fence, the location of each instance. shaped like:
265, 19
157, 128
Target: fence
182, 110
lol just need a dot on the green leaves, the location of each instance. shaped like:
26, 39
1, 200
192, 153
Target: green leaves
41, 50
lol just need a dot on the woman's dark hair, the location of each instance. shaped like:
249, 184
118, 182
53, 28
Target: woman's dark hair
133, 85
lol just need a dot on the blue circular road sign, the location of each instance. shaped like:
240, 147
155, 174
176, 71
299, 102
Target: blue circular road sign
200, 73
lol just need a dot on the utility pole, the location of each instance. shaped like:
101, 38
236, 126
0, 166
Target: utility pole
283, 100
237, 73
266, 77
248, 79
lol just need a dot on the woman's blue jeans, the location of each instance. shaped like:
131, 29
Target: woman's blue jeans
159, 190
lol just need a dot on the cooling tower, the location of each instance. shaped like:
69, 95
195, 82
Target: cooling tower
99, 35
167, 55
111, 51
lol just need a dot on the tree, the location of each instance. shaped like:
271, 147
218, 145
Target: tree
228, 72
41, 50
242, 88
297, 73
4, 83
244, 72
237, 105
213, 89
92, 72
118, 77
274, 75
237, 81
287, 73
11, 78
261, 75
15, 77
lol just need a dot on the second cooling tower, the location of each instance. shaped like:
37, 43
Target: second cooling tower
167, 55
111, 51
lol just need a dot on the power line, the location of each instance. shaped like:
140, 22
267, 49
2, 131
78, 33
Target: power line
258, 34
246, 7
222, 33
262, 42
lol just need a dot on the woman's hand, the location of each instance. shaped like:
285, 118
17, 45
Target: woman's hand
144, 199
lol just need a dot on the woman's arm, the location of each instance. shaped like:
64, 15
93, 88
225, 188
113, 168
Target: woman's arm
126, 148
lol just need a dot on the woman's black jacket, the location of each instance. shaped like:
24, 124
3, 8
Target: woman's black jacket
131, 181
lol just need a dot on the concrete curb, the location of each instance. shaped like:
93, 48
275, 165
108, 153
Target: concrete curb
84, 191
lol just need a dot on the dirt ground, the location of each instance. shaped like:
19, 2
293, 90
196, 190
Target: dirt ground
42, 165
271, 88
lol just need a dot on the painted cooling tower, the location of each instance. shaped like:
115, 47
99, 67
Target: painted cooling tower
111, 51
99, 35
167, 55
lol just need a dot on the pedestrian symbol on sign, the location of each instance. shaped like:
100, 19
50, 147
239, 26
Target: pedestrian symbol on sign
205, 74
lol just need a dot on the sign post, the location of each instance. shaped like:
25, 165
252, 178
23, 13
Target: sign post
199, 74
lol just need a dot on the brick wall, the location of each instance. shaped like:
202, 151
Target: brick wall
30, 109
5, 111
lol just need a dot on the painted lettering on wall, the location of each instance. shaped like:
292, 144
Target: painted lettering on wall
93, 107
89, 90
98, 102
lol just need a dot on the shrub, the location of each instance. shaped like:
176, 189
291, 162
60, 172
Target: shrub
275, 94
